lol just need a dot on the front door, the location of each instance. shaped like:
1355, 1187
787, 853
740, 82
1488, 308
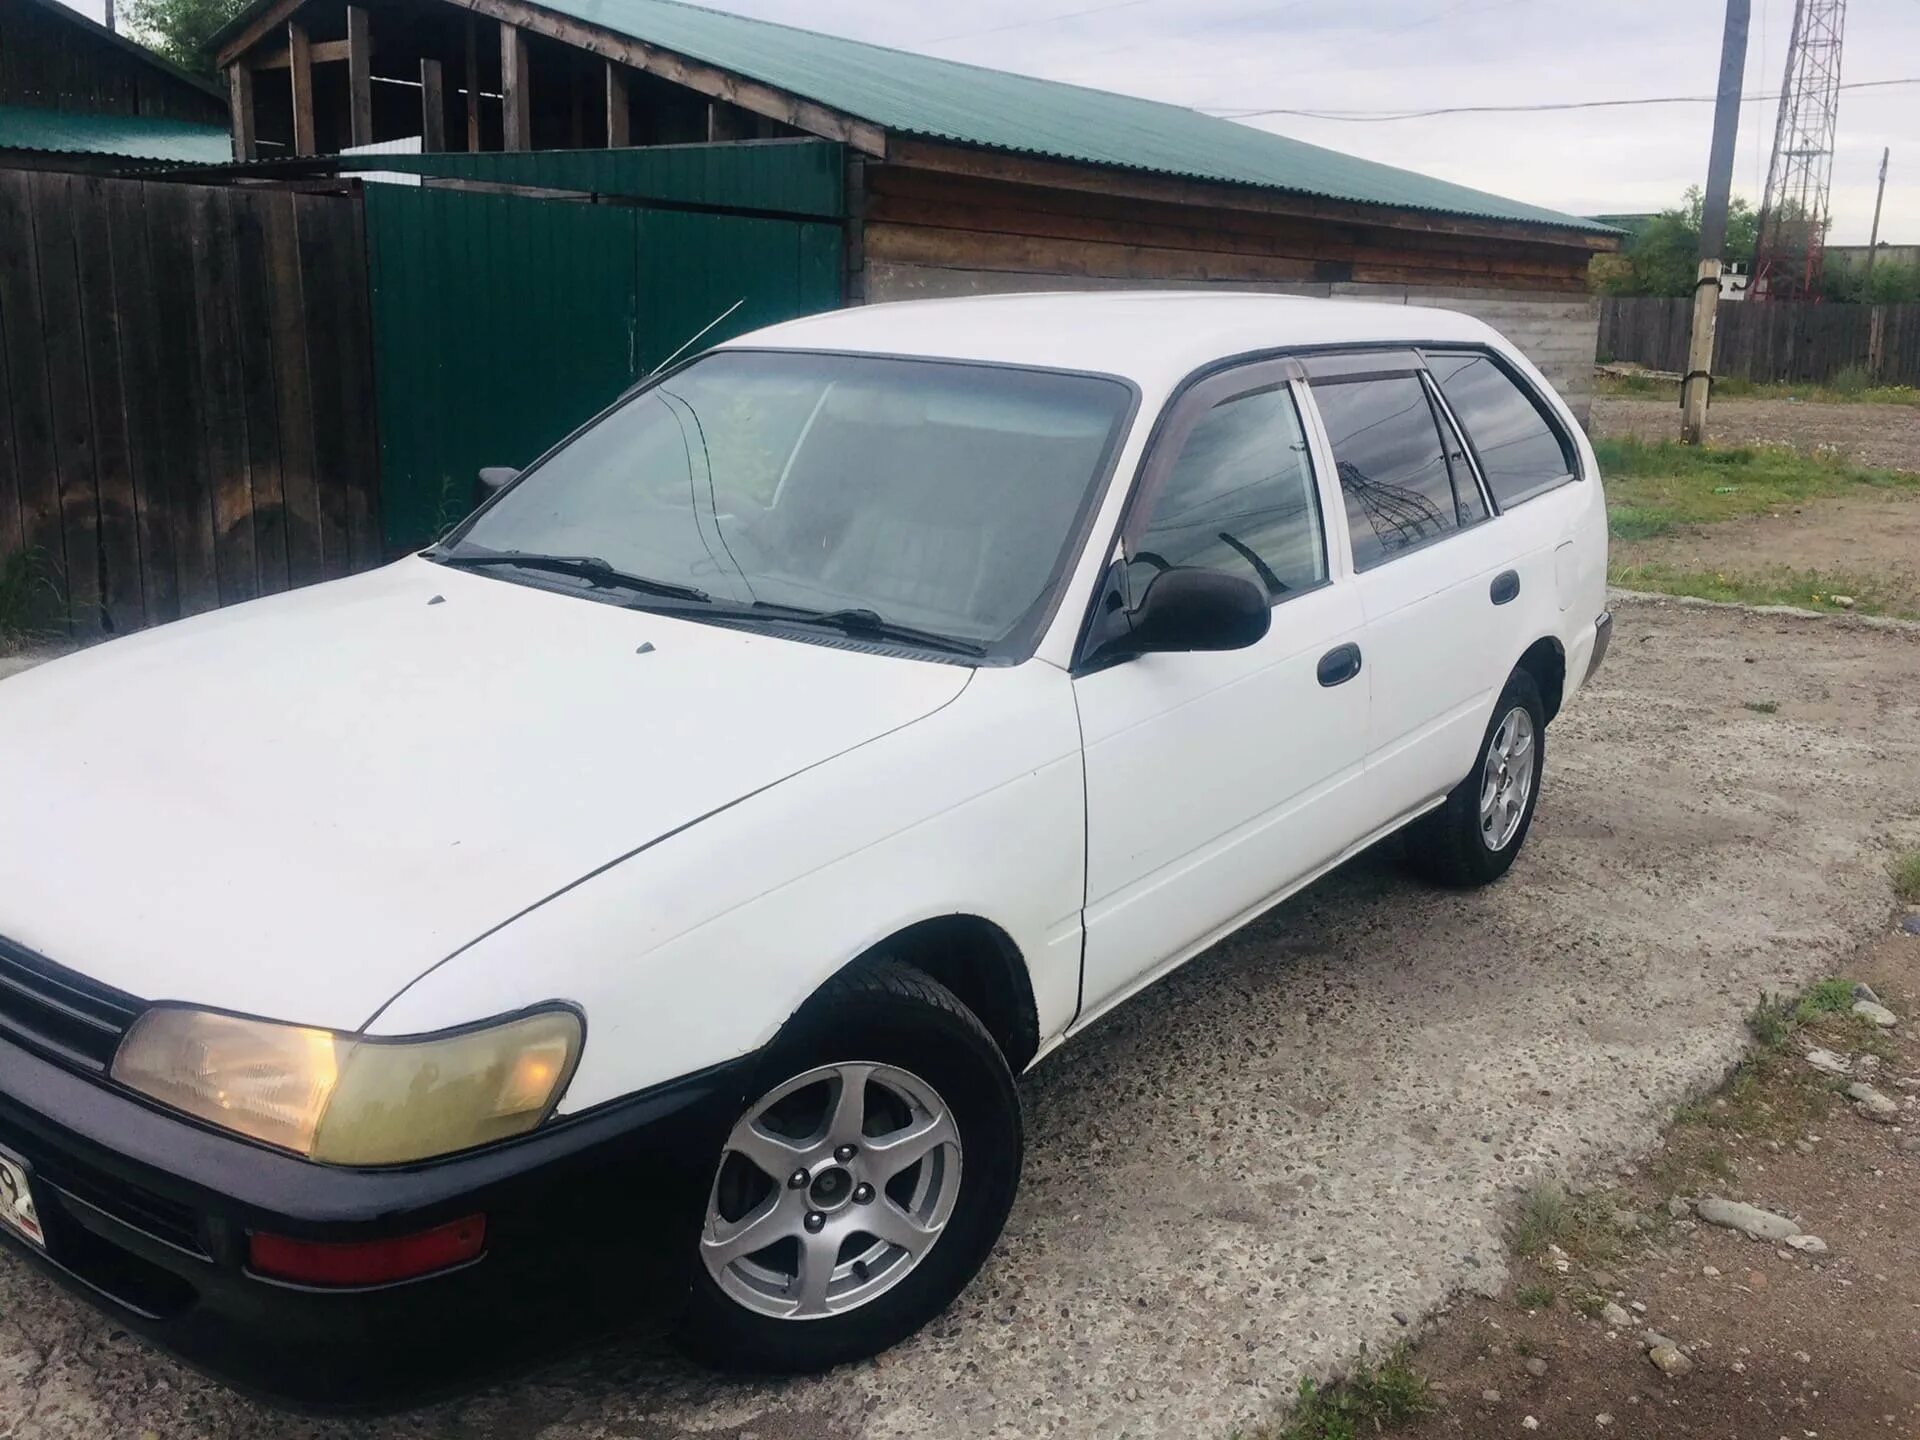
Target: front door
1216, 779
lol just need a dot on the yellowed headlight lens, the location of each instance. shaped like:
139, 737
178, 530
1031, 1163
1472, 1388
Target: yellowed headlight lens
346, 1100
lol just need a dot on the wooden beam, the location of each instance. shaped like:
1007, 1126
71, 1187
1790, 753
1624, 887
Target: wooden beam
516, 116
433, 108
359, 76
301, 55
321, 52
619, 108
1069, 175
266, 23
240, 106
708, 80
472, 77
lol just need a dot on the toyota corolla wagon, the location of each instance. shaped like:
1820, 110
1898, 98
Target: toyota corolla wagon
641, 902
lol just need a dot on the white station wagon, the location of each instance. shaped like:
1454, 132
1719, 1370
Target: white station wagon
643, 900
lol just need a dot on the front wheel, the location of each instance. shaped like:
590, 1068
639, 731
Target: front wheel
864, 1184
1472, 838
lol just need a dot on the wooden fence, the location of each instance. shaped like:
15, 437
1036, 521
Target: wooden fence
186, 394
1764, 342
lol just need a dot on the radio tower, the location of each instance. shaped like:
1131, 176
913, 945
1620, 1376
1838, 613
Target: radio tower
1793, 215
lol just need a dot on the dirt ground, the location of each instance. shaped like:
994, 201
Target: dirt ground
1883, 436
1780, 1342
1868, 541
1312, 1136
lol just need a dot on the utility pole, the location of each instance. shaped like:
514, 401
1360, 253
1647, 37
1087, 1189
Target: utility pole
1695, 389
109, 17
1873, 241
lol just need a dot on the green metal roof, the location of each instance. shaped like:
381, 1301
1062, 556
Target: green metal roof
944, 100
137, 137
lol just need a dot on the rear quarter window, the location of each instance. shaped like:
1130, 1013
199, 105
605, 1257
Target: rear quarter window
1522, 452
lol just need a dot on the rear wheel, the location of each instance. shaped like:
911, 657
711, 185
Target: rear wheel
1474, 835
865, 1183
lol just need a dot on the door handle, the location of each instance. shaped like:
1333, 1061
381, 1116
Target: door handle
1505, 586
1339, 665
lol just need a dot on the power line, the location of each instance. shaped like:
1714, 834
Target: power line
1377, 115
1041, 20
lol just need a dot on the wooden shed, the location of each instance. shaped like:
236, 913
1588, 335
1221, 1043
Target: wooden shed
76, 96
961, 179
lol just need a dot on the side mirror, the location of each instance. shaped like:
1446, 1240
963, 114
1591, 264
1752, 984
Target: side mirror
496, 477
1192, 609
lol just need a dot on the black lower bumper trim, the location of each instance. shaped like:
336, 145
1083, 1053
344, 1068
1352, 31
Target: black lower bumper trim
590, 1223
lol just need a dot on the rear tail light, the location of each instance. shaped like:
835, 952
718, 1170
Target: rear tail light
337, 1264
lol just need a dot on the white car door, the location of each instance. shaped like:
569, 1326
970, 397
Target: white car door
1434, 571
1216, 779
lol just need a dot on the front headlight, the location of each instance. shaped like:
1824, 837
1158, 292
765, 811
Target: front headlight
353, 1099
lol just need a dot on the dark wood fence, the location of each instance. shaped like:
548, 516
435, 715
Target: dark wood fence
1787, 341
186, 394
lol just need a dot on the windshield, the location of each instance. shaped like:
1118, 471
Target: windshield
927, 495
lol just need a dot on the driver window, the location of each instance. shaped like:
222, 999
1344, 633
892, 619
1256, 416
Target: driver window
1238, 498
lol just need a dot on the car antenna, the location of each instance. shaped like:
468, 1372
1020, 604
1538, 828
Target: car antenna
694, 338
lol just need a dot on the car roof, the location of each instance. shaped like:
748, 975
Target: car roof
1153, 338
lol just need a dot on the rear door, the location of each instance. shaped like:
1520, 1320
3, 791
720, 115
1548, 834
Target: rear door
1434, 571
1215, 780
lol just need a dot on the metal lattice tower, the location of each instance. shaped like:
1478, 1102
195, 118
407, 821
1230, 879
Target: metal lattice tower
1793, 216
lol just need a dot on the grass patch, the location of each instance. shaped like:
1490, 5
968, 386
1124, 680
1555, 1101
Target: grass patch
1699, 485
1370, 1401
1763, 707
1826, 997
1849, 387
1906, 877
1777, 585
1581, 1225
1772, 1022
1536, 1295
1590, 1304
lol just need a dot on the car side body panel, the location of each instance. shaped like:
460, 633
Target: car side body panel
696, 951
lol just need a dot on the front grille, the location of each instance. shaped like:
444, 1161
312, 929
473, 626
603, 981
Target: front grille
63, 1016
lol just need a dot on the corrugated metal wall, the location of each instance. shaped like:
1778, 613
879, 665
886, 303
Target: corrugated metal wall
502, 321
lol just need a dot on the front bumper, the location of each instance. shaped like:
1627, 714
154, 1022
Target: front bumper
590, 1222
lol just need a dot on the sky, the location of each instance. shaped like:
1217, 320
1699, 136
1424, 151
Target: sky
1420, 54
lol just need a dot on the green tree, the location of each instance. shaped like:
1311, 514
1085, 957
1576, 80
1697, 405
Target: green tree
180, 29
1663, 257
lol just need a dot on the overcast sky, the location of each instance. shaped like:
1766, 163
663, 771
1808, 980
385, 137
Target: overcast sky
1417, 54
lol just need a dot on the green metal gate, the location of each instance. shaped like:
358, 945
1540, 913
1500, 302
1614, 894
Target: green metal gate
503, 320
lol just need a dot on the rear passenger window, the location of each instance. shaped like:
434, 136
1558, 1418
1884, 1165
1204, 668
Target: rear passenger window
1239, 498
1399, 488
1521, 454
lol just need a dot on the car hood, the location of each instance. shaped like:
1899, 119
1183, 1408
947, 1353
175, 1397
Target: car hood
294, 807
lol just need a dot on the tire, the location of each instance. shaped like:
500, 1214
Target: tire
1452, 844
919, 1055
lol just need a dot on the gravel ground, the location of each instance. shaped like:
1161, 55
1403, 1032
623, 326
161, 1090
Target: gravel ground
1244, 1175
1887, 436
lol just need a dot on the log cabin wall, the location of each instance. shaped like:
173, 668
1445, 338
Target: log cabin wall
928, 233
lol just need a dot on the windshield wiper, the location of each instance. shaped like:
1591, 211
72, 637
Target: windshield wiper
586, 567
860, 621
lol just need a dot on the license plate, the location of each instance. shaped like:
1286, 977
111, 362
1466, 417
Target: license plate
16, 1202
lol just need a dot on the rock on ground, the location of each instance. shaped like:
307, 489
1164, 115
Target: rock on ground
1872, 1103
1750, 1220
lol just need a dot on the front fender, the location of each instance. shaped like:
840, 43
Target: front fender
696, 951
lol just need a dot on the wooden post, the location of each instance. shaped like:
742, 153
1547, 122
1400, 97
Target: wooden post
473, 86
1876, 338
359, 76
1873, 239
1698, 381
300, 68
619, 113
516, 121
433, 108
240, 103
1698, 384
